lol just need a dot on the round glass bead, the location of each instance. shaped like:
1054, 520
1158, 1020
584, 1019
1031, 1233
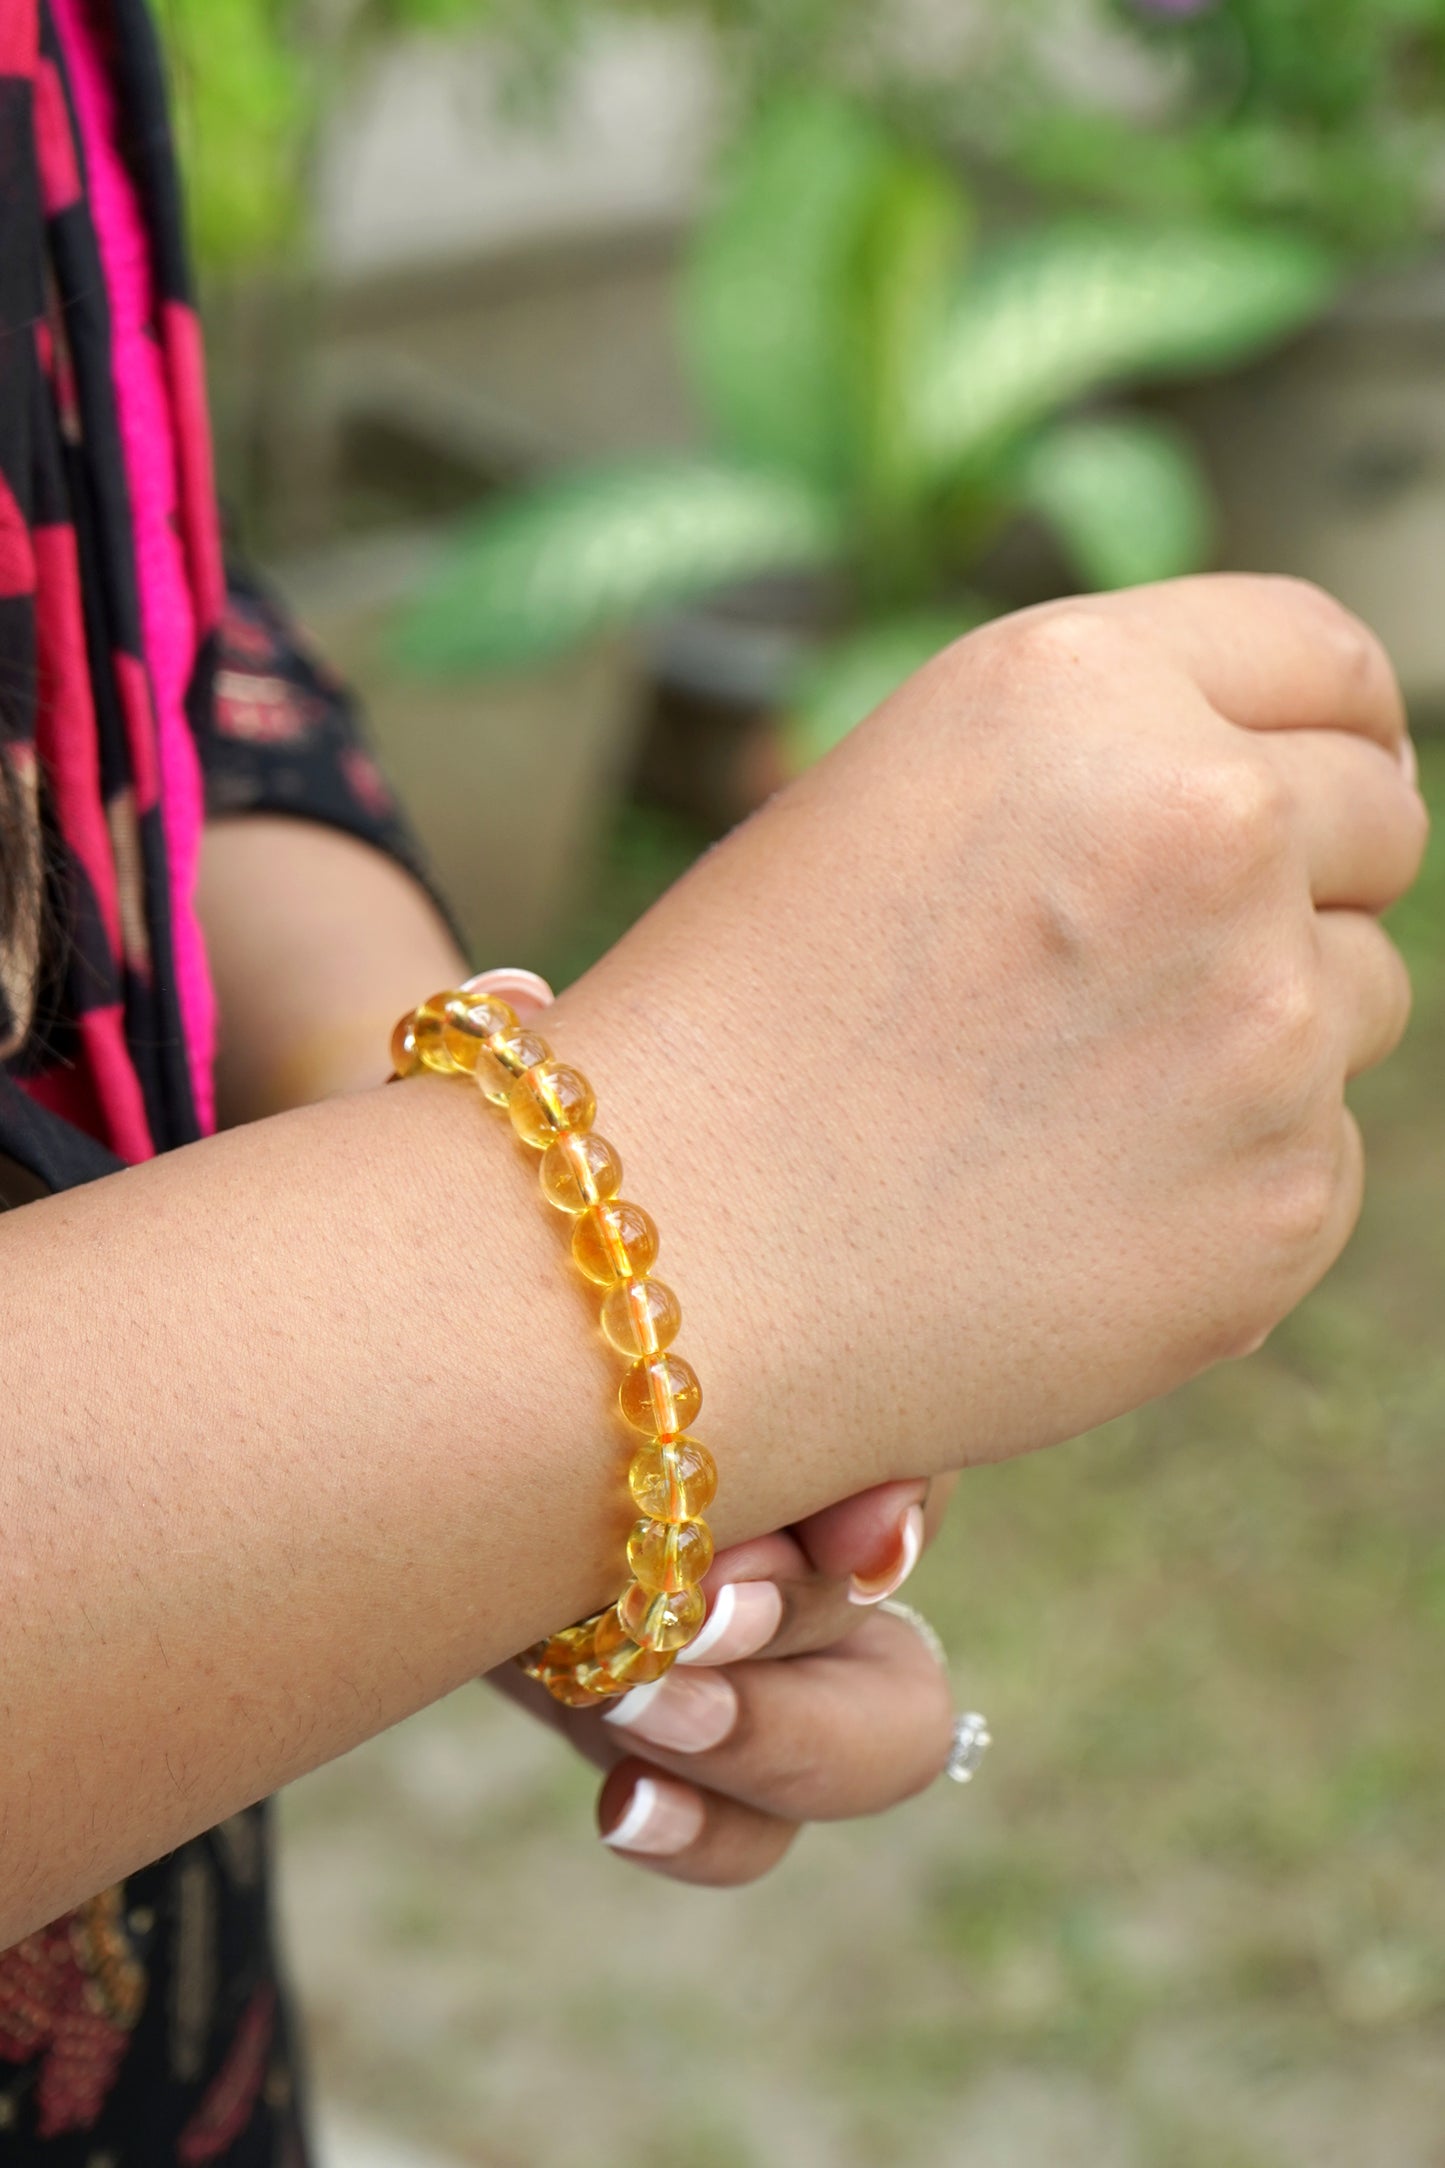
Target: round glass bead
660, 1395
571, 1689
548, 1100
641, 1317
669, 1554
580, 1169
661, 1618
563, 1650
467, 1022
622, 1658
504, 1057
404, 1056
615, 1241
428, 1028
599, 1682
482, 1015
674, 1481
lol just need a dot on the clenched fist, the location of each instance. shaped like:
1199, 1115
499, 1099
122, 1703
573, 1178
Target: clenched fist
991, 1080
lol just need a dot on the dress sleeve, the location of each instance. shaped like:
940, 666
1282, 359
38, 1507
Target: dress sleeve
280, 733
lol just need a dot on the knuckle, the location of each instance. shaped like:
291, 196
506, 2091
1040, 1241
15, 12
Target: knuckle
1282, 1037
1234, 815
1357, 657
1197, 838
1038, 646
1296, 1205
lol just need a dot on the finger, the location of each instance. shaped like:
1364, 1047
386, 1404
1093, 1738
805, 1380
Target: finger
1268, 652
1364, 826
787, 1594
686, 1833
872, 1540
849, 1731
1367, 986
1346, 1197
797, 1590
750, 1620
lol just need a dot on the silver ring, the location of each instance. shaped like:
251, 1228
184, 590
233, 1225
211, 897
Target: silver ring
971, 1735
971, 1741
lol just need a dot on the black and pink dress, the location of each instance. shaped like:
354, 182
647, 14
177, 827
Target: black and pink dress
140, 688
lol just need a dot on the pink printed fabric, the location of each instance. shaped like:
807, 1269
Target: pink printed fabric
161, 415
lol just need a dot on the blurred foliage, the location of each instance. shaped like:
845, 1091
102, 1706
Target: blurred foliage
254, 77
1326, 113
883, 401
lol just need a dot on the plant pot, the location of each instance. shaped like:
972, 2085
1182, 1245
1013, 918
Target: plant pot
510, 783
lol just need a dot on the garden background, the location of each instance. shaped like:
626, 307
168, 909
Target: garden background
628, 395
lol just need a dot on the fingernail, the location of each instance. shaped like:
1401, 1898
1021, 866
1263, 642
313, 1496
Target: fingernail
688, 1714
509, 982
910, 1545
1410, 762
744, 1617
659, 1818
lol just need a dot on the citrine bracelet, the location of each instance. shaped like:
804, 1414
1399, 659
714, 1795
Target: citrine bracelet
471, 1032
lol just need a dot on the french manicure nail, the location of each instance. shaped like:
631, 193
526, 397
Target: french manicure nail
910, 1547
688, 1713
659, 1819
744, 1617
1410, 761
509, 982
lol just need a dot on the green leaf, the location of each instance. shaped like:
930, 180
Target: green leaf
1058, 314
769, 296
1124, 495
911, 251
577, 556
246, 101
841, 684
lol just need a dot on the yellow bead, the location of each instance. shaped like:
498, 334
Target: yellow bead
615, 1241
560, 1651
504, 1057
573, 1691
674, 1481
669, 1554
549, 1100
429, 1035
467, 1023
481, 1015
620, 1656
578, 1170
660, 1395
661, 1618
599, 1682
641, 1317
404, 1056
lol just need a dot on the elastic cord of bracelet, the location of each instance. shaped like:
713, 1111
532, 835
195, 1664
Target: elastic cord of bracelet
471, 1032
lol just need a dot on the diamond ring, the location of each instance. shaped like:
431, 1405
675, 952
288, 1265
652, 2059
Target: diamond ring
971, 1735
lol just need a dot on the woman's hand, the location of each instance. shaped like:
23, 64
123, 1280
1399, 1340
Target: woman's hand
991, 1080
800, 1702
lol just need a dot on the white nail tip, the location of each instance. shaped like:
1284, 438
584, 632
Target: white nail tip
633, 1704
716, 1625
912, 1548
641, 1808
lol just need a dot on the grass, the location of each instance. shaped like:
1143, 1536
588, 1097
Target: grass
1193, 1914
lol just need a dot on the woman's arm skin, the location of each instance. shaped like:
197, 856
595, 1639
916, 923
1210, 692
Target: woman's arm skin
315, 940
989, 1082
317, 944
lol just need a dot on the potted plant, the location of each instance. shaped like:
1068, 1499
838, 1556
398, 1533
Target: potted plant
1328, 458
885, 397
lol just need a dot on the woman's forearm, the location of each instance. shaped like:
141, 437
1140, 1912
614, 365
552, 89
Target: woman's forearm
988, 1083
305, 1426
